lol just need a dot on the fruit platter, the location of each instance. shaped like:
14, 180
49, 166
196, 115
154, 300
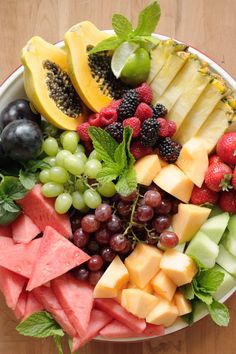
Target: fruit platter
118, 185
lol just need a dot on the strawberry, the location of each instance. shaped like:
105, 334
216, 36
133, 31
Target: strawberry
218, 177
143, 111
133, 123
94, 120
164, 127
226, 148
82, 130
214, 158
107, 116
145, 93
227, 201
139, 151
203, 195
233, 182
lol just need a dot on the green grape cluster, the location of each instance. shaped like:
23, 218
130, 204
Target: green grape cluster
70, 177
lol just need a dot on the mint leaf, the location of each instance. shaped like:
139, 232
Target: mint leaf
27, 178
127, 182
108, 174
121, 26
11, 187
103, 143
110, 43
204, 297
148, 20
120, 57
7, 217
70, 343
57, 341
10, 206
34, 165
209, 280
219, 313
122, 151
188, 291
40, 325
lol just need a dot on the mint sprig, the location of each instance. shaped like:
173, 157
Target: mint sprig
28, 175
122, 26
117, 160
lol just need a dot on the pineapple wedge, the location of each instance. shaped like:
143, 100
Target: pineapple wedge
215, 125
189, 97
206, 103
160, 54
168, 72
180, 82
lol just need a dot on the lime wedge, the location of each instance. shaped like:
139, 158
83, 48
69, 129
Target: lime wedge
120, 57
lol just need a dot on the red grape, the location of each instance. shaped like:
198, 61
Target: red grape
152, 198
93, 247
103, 212
152, 238
75, 222
130, 197
169, 239
80, 238
161, 223
95, 263
118, 242
102, 236
81, 273
89, 223
108, 254
175, 206
114, 224
164, 207
94, 277
123, 208
127, 248
145, 213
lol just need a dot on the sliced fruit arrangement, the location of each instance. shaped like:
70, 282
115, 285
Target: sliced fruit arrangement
116, 222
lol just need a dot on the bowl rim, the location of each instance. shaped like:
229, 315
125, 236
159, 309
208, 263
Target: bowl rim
179, 324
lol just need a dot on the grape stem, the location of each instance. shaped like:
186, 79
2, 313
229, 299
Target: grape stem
131, 222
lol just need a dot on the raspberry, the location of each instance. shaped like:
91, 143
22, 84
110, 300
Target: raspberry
107, 116
145, 93
143, 112
164, 127
172, 128
82, 130
133, 123
114, 104
139, 151
94, 120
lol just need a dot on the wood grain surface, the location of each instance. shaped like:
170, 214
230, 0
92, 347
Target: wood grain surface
205, 24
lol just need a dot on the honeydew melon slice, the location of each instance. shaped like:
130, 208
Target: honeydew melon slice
206, 103
215, 227
228, 283
226, 260
180, 82
168, 72
203, 249
189, 97
232, 223
230, 242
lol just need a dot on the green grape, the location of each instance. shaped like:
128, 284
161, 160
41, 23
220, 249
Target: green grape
81, 156
50, 160
61, 157
78, 200
62, 137
94, 155
63, 203
44, 176
92, 198
70, 141
92, 167
80, 148
52, 189
80, 186
107, 190
59, 174
50, 146
74, 165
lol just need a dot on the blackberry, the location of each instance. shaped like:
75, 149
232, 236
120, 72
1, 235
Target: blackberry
115, 130
159, 111
168, 149
128, 105
149, 132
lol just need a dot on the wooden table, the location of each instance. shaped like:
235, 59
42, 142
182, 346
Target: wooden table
205, 24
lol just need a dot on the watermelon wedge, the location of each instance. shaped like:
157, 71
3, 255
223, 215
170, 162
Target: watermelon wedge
116, 329
50, 303
76, 299
115, 310
5, 230
24, 229
32, 306
5, 242
56, 256
21, 305
98, 320
11, 285
20, 258
41, 211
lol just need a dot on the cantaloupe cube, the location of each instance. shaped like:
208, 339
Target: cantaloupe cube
148, 288
163, 286
113, 279
138, 302
174, 182
147, 168
143, 263
193, 160
163, 163
183, 305
188, 220
164, 313
179, 267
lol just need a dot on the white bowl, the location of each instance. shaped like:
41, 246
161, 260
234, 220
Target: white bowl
13, 88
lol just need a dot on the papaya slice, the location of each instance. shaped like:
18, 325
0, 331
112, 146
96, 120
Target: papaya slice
48, 85
91, 74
